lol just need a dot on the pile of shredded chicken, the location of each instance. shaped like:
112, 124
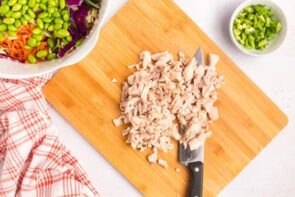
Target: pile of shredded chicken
164, 95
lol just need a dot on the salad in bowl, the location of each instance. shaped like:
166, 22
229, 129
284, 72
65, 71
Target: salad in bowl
38, 36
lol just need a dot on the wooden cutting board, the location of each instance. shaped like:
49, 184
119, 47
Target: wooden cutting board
86, 97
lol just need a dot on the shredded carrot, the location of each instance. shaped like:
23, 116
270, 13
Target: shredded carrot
16, 47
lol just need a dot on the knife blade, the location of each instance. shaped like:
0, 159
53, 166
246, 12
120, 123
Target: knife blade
193, 159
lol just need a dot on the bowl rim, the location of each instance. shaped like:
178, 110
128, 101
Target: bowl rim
70, 63
233, 17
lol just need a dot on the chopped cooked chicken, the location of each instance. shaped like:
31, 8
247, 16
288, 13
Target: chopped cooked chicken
114, 80
163, 163
165, 93
152, 158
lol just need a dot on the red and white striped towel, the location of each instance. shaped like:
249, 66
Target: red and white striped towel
33, 160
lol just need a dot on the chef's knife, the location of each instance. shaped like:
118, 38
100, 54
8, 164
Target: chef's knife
193, 159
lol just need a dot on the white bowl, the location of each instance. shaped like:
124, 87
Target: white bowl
278, 40
14, 70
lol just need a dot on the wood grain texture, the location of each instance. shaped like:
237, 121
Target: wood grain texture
86, 97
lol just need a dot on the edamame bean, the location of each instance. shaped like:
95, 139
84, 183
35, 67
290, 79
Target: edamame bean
8, 21
46, 26
51, 3
50, 10
25, 7
9, 13
24, 21
41, 54
50, 42
44, 1
36, 7
16, 7
66, 17
62, 33
43, 15
27, 17
32, 59
50, 28
3, 27
16, 15
32, 42
12, 2
65, 25
11, 28
56, 14
46, 20
22, 2
38, 43
38, 37
64, 12
37, 31
17, 23
43, 7
58, 21
51, 56
12, 33
57, 26
62, 4
31, 3
31, 13
69, 38
4, 9
40, 23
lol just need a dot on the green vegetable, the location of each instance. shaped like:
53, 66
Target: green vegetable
38, 37
51, 56
16, 15
31, 3
255, 27
41, 54
50, 43
8, 21
3, 27
40, 23
11, 28
16, 7
62, 33
12, 2
32, 42
37, 31
32, 59
4, 9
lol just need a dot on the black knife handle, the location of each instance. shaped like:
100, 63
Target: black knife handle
197, 185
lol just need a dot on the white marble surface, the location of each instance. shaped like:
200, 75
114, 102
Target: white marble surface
272, 172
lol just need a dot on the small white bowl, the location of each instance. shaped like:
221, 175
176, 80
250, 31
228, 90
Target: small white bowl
14, 70
278, 40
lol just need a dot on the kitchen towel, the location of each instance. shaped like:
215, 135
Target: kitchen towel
33, 162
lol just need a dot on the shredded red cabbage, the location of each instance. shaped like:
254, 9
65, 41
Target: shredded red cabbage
74, 2
80, 18
78, 30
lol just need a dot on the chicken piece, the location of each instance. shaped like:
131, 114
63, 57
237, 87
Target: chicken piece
118, 121
163, 163
152, 158
188, 72
145, 57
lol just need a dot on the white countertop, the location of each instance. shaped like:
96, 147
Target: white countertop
272, 172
